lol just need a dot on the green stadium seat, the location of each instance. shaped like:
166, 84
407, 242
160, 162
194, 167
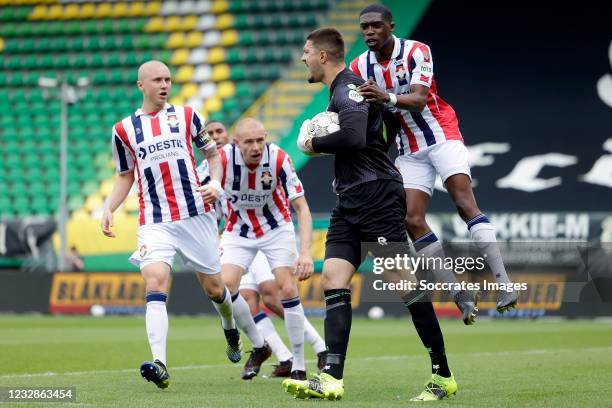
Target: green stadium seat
53, 185
8, 29
35, 173
21, 205
75, 202
39, 29
18, 186
72, 28
32, 161
40, 205
55, 28
36, 187
5, 203
24, 30
125, 42
90, 187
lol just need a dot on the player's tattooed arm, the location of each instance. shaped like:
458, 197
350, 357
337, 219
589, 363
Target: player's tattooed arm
123, 184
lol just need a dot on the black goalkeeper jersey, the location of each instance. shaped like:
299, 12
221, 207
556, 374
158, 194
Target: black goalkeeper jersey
359, 146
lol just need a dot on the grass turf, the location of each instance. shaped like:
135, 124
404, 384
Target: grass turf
496, 363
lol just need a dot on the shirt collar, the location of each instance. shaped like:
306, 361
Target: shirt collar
394, 54
140, 112
337, 80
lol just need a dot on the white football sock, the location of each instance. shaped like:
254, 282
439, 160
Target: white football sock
156, 318
244, 320
483, 235
294, 323
269, 333
312, 337
225, 311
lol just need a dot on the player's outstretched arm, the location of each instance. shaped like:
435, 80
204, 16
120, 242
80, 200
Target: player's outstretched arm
123, 184
305, 264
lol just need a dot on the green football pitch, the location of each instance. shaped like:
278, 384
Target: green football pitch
496, 363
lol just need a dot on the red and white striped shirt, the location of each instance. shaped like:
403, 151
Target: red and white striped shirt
411, 63
157, 146
258, 199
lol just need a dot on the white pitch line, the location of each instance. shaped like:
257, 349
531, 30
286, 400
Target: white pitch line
375, 358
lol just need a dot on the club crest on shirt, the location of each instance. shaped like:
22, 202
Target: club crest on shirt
266, 180
352, 86
173, 121
400, 72
354, 95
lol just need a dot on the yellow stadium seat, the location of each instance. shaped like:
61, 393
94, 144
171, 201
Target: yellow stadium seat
184, 74
176, 40
94, 202
213, 105
193, 39
180, 56
219, 7
71, 11
190, 23
177, 100
152, 9
203, 113
216, 55
120, 10
155, 25
226, 89
137, 9
131, 203
173, 23
55, 12
220, 72
79, 215
103, 10
189, 90
107, 187
1, 45
225, 21
38, 13
88, 10
229, 37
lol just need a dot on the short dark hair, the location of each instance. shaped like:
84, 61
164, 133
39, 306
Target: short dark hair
210, 122
329, 40
378, 8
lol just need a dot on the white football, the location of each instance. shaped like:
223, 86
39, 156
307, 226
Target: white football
324, 123
376, 313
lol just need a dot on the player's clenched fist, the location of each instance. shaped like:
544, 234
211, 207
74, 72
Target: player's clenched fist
304, 266
210, 192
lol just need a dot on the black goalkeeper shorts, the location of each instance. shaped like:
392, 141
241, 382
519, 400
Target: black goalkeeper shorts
369, 213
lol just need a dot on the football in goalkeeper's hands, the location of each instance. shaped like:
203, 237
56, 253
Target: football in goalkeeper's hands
324, 123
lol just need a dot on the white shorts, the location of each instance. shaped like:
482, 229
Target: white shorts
446, 159
278, 245
258, 272
195, 238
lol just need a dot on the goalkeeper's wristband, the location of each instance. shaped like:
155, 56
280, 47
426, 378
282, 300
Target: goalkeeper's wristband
392, 99
216, 185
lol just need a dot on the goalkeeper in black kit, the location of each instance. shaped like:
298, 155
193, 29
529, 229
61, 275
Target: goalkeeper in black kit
371, 208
